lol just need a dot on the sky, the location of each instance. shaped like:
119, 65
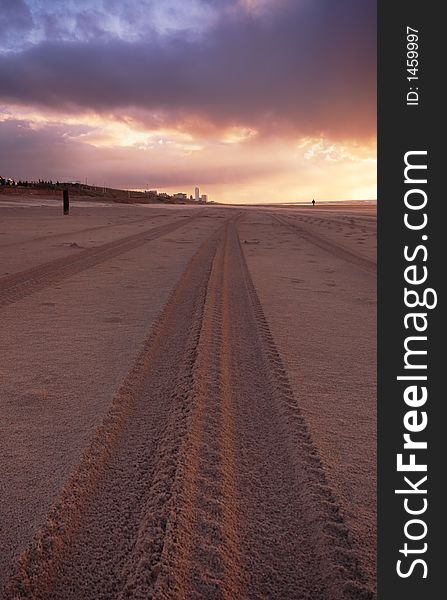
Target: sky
252, 100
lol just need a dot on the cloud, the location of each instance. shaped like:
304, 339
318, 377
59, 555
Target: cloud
72, 151
15, 14
228, 171
306, 68
84, 20
15, 18
251, 99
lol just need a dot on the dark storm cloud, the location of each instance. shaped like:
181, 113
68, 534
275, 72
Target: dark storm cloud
27, 22
14, 14
307, 67
15, 19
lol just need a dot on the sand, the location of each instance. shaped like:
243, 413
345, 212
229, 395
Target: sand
188, 402
322, 313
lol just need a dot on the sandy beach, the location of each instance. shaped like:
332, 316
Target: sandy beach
188, 401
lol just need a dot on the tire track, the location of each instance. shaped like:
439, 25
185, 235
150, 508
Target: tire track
17, 286
353, 220
331, 247
357, 222
202, 555
51, 236
203, 481
254, 516
334, 563
104, 537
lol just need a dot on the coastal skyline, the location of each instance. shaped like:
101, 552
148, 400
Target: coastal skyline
255, 100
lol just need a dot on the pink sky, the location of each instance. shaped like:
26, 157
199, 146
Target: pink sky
252, 100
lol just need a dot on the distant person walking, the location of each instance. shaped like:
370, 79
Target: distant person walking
313, 202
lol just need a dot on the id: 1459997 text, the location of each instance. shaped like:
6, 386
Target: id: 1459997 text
412, 66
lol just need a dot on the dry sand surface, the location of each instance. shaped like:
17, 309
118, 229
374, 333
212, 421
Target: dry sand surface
187, 401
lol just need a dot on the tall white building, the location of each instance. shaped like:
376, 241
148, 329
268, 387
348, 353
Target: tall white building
197, 194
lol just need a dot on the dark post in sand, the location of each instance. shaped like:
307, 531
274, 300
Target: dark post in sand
66, 203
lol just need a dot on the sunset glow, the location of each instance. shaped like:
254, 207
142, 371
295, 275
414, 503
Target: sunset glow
253, 100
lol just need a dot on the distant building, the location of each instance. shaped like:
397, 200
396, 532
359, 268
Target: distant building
7, 181
150, 195
180, 196
197, 194
204, 198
